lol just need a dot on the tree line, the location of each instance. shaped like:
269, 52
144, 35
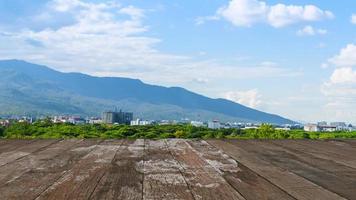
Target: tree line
46, 129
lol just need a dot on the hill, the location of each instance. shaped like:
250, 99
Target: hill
27, 88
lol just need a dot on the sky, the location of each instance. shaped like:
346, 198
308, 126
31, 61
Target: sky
292, 58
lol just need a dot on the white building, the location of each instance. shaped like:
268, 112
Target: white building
325, 127
340, 126
214, 125
197, 124
95, 121
60, 119
76, 120
311, 128
139, 122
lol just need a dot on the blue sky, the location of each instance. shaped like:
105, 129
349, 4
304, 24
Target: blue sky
293, 58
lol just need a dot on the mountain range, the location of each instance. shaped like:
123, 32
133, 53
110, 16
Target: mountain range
31, 89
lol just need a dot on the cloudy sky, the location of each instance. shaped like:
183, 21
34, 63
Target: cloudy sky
293, 58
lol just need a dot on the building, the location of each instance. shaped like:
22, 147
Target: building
322, 123
60, 119
120, 117
4, 123
311, 128
214, 124
340, 126
109, 117
198, 124
139, 122
76, 120
325, 127
167, 122
350, 127
94, 120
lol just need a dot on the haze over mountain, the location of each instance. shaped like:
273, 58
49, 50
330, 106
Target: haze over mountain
27, 88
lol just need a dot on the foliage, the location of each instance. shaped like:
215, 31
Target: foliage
47, 129
1, 131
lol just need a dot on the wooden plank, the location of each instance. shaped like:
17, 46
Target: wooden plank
204, 176
332, 176
177, 169
14, 170
80, 181
124, 177
337, 146
337, 151
162, 176
327, 173
3, 141
352, 142
315, 149
294, 185
35, 173
12, 144
24, 150
249, 184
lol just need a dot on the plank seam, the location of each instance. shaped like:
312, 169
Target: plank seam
143, 166
96, 185
17, 147
203, 159
233, 157
28, 170
37, 150
312, 180
46, 189
311, 155
180, 171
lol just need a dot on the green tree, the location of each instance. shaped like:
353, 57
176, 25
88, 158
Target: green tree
1, 132
180, 134
265, 131
19, 130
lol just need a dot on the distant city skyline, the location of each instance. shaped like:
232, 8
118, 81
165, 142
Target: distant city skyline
293, 58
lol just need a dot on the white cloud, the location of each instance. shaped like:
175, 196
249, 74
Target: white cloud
340, 89
311, 31
244, 12
250, 98
281, 15
66, 5
341, 100
353, 18
346, 57
202, 20
250, 12
111, 40
132, 11
107, 39
343, 75
101, 35
307, 30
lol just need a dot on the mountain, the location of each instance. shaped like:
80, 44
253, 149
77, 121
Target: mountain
31, 89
